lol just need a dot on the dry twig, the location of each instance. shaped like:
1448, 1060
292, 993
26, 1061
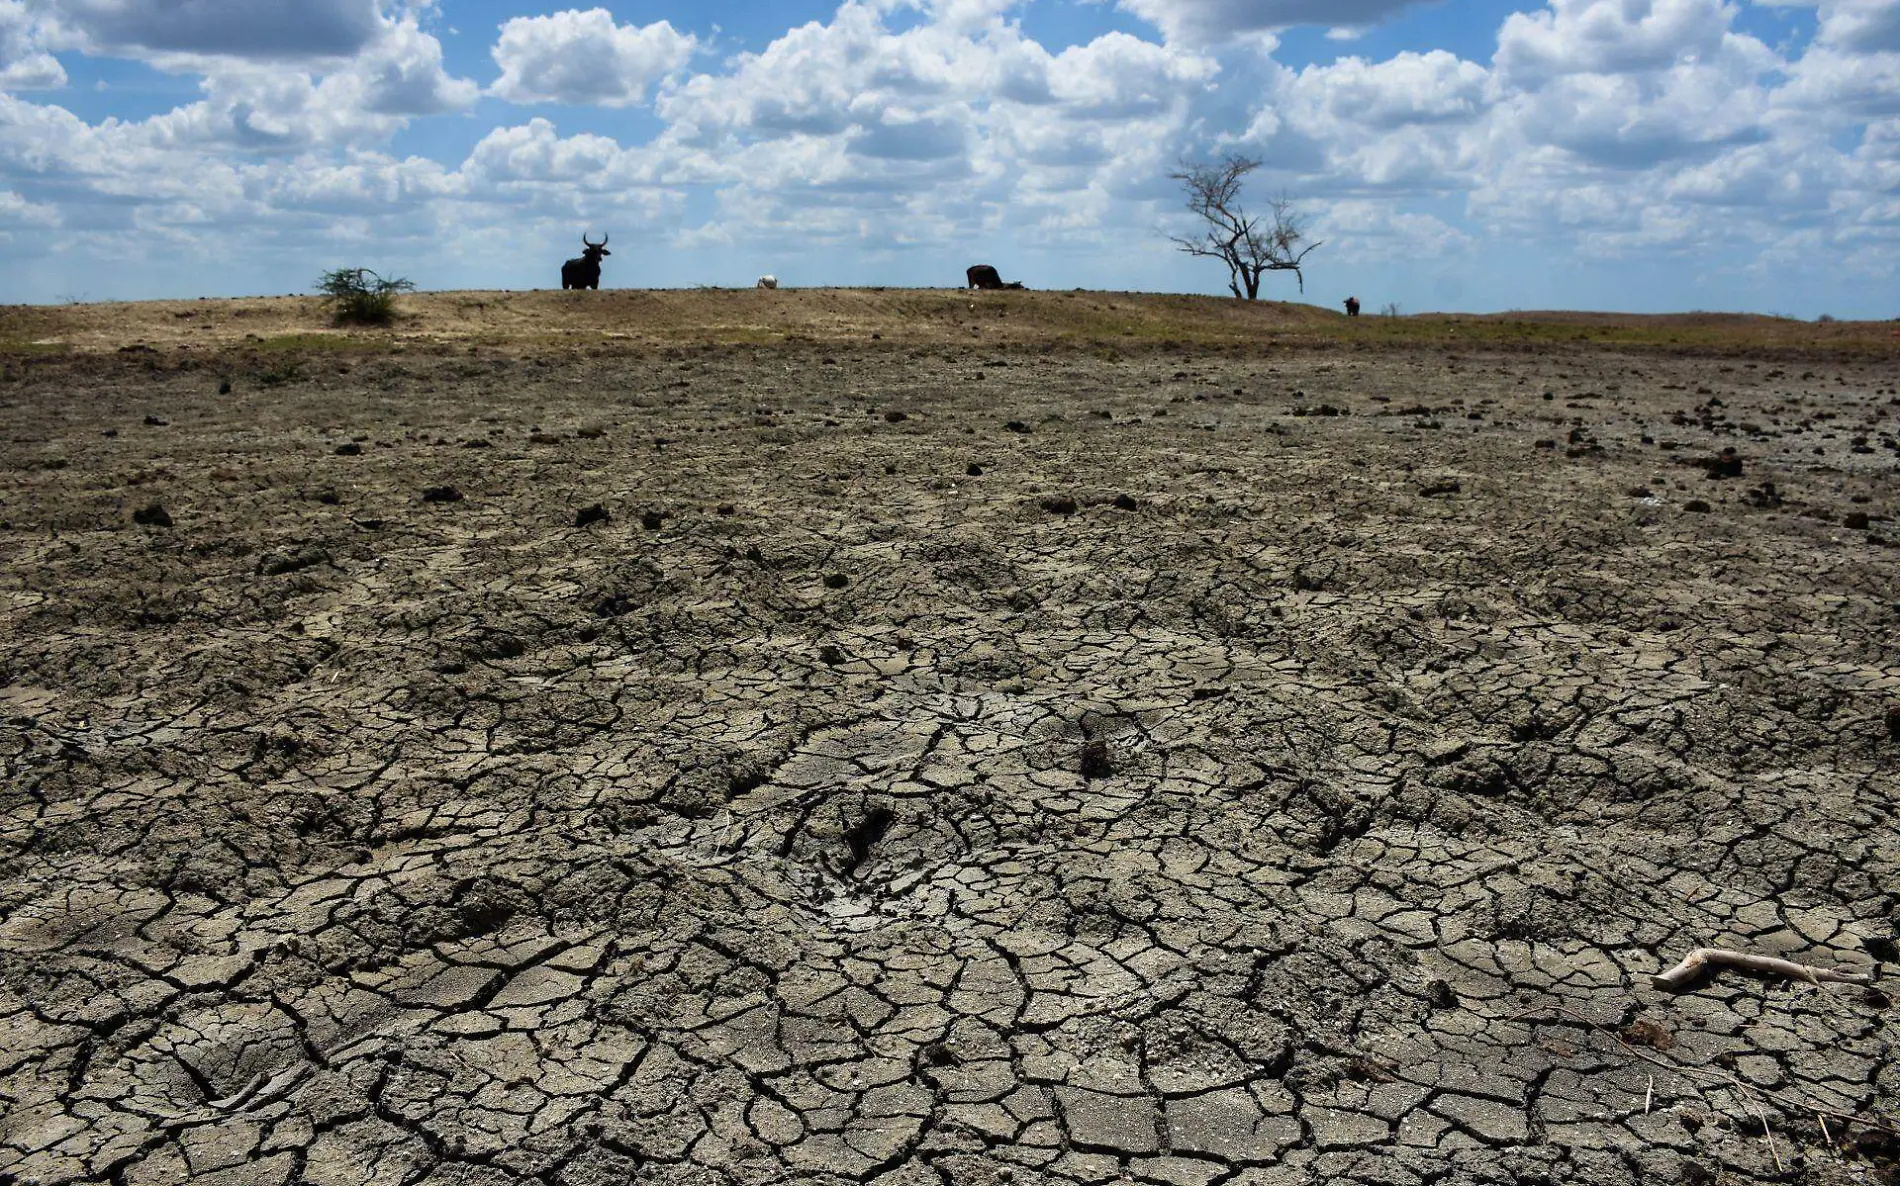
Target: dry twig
1693, 965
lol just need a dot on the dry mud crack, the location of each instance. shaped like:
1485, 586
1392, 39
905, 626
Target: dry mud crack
1240, 770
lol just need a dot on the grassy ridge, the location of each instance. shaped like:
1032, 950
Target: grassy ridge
914, 317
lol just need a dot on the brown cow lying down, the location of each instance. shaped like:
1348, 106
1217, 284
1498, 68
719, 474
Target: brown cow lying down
984, 276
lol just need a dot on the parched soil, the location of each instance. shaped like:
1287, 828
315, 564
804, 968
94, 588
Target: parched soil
946, 764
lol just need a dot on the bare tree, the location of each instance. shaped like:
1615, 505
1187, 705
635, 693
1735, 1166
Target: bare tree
1236, 238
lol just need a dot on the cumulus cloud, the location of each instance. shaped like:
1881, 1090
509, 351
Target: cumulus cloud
17, 212
586, 58
1860, 26
24, 63
270, 29
259, 107
1598, 127
1365, 230
1410, 88
1610, 37
1203, 23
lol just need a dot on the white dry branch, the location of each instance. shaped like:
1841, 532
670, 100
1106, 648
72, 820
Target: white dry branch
1693, 965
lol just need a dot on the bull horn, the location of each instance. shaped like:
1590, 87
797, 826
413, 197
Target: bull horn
585, 243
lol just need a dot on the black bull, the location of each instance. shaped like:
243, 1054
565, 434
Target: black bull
985, 276
585, 271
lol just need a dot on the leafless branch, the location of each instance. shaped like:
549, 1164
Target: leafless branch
1236, 238
1693, 965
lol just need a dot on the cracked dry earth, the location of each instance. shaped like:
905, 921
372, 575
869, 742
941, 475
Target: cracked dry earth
1210, 790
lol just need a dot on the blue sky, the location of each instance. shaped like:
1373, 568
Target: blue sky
1642, 155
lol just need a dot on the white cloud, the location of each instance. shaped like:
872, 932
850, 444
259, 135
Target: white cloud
1600, 129
536, 153
16, 211
1843, 87
585, 58
1609, 37
258, 107
24, 63
1860, 26
1364, 230
1410, 88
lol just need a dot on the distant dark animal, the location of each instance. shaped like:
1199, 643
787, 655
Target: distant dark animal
984, 276
585, 271
1352, 306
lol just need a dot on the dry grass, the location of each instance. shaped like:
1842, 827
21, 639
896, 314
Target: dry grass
913, 317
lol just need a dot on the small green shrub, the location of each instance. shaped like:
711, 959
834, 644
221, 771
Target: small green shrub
360, 296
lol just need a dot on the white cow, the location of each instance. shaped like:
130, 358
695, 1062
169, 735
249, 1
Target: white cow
768, 282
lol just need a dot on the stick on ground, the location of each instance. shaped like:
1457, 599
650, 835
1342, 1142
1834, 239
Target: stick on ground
1693, 965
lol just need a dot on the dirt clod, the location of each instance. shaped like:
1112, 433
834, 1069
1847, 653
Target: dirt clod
589, 515
442, 494
1060, 504
152, 515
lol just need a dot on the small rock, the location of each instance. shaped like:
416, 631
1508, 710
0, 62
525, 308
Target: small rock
836, 580
224, 387
588, 516
157, 421
1726, 464
348, 449
975, 470
1016, 426
830, 655
1124, 502
652, 520
1696, 506
152, 516
1060, 505
1893, 723
1439, 489
726, 508
442, 494
1096, 762
896, 417
1856, 521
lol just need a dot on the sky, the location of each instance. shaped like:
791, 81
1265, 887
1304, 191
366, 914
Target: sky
1477, 155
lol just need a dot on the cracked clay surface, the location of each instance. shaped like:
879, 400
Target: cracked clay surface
947, 767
